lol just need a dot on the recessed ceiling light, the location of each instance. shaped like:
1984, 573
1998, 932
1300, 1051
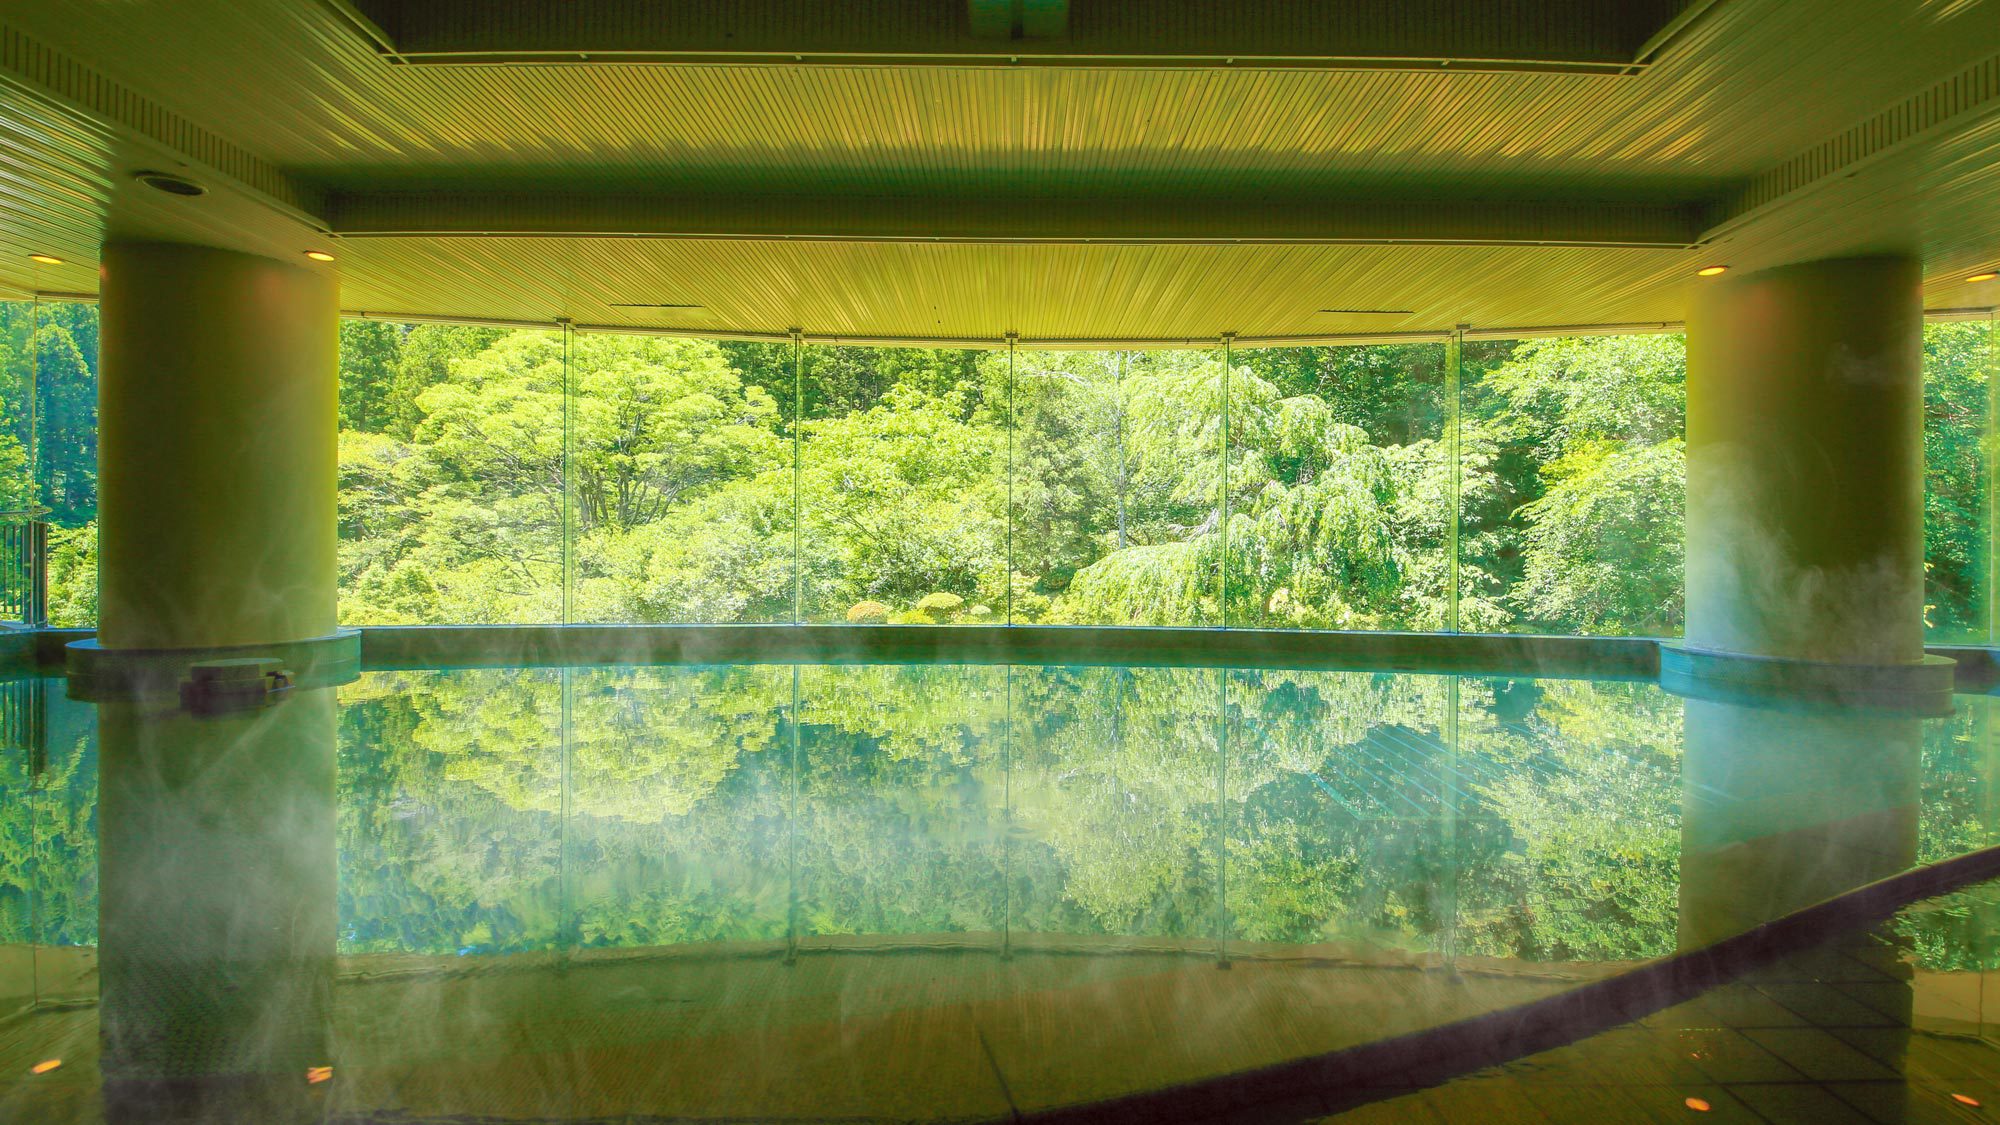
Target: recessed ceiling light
170, 183
45, 259
1710, 271
1984, 275
319, 255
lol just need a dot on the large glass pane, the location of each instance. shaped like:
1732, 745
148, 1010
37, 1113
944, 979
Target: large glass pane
17, 391
903, 486
1118, 477
1573, 483
680, 479
66, 449
1070, 487
1958, 480
1340, 486
18, 500
451, 474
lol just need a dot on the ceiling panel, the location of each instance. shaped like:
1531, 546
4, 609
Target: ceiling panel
297, 94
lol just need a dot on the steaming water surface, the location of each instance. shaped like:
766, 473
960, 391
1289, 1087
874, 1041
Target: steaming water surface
788, 891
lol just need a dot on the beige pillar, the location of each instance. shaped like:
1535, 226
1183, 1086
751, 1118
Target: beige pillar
217, 432
1805, 463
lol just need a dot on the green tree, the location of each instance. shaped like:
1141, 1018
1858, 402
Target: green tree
1958, 447
428, 353
899, 501
1068, 463
72, 577
371, 355
66, 429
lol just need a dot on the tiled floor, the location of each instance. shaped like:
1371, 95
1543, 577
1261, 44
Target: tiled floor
1828, 1037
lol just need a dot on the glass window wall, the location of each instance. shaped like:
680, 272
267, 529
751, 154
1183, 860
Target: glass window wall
1118, 478
680, 481
1340, 484
493, 475
48, 462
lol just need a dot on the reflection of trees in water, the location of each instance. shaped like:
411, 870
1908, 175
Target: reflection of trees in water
681, 809
682, 823
453, 835
48, 817
1588, 790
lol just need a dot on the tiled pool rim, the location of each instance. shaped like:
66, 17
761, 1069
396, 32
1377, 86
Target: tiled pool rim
397, 647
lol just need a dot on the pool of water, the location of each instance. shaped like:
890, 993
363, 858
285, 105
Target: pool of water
902, 892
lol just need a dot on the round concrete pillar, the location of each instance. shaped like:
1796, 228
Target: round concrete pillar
217, 431
1805, 538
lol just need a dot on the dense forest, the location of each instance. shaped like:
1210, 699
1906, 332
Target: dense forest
48, 442
1302, 488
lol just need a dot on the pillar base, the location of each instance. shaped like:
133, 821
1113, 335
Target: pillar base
1921, 688
99, 675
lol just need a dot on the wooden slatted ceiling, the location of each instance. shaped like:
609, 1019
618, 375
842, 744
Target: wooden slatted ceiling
1759, 82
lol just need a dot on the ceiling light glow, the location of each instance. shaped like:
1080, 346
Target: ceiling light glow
1711, 271
45, 259
319, 255
1984, 275
170, 183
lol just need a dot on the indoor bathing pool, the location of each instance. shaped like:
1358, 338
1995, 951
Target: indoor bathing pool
935, 891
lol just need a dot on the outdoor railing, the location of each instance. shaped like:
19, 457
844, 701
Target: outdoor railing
24, 547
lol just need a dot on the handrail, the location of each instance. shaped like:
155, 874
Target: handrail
24, 572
